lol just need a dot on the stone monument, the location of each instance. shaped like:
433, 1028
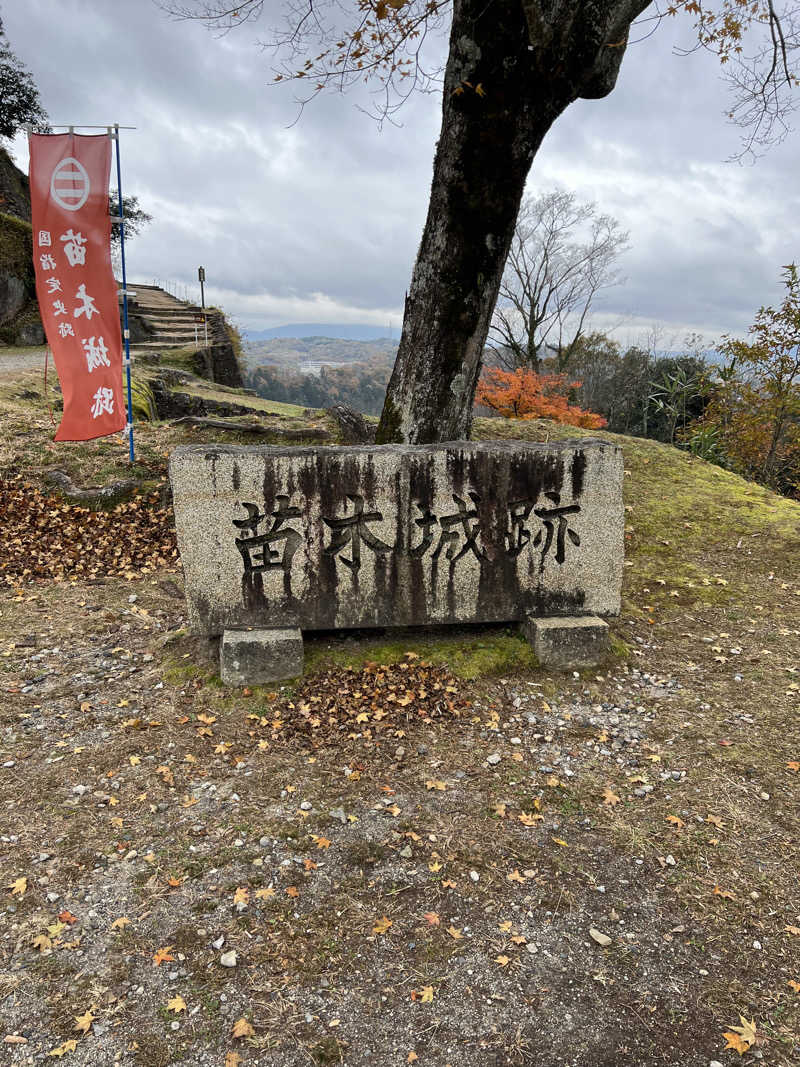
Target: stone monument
278, 540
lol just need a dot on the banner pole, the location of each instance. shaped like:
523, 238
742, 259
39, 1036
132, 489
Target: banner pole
125, 331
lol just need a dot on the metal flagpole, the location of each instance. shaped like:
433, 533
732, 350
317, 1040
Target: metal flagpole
125, 331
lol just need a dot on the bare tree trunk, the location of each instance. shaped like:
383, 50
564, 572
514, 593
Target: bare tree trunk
485, 151
501, 95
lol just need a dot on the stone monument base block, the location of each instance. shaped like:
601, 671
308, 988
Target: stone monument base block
568, 643
259, 656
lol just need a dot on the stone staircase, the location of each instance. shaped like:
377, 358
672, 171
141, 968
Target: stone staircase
173, 322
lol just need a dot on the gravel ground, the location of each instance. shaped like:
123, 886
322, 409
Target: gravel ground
14, 360
500, 886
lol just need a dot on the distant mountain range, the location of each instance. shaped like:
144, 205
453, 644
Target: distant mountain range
344, 332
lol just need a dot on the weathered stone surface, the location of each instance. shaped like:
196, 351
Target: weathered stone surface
398, 535
258, 656
568, 643
13, 296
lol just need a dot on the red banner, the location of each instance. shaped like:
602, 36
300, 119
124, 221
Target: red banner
75, 283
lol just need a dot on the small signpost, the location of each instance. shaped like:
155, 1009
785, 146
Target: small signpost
201, 277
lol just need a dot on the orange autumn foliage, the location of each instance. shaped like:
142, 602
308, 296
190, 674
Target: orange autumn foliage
523, 394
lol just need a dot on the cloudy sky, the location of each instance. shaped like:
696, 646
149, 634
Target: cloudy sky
318, 220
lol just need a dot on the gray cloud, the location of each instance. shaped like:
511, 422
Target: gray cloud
319, 219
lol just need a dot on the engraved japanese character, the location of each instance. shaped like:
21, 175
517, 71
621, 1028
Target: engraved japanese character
256, 549
354, 528
426, 523
47, 262
549, 517
518, 535
470, 531
53, 285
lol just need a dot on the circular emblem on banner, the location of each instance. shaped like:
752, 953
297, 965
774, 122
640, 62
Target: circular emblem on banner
69, 186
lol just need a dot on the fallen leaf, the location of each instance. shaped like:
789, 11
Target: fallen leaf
529, 820
382, 925
242, 1028
742, 1037
67, 917
503, 961
794, 985
794, 930
42, 942
499, 810
793, 765
83, 1023
320, 842
162, 955
265, 894
724, 893
434, 783
233, 1059
177, 1004
118, 924
714, 820
515, 876
435, 867
457, 935
426, 994
18, 886
292, 891
610, 798
675, 821
241, 898
432, 918
62, 1050
412, 1057
559, 841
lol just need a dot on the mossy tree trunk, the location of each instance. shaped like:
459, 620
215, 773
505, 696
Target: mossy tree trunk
514, 66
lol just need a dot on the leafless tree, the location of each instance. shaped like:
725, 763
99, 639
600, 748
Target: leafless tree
562, 254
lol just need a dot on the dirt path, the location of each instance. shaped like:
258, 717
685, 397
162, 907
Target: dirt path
564, 871
13, 361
